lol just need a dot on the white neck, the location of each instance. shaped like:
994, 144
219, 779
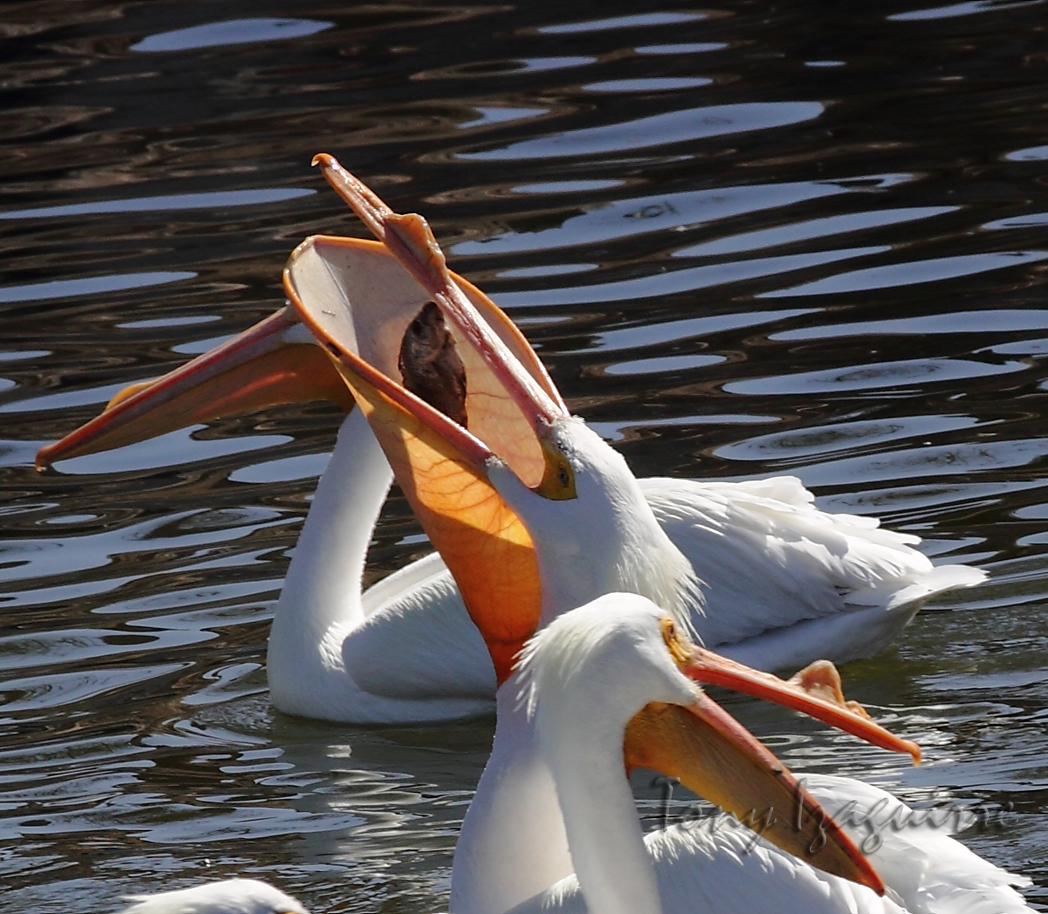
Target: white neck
579, 724
320, 601
512, 845
611, 861
552, 804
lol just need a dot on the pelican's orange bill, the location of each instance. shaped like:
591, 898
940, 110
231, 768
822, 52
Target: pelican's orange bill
373, 299
712, 669
439, 464
716, 757
508, 403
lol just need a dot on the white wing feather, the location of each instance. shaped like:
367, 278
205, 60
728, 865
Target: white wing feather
929, 871
771, 560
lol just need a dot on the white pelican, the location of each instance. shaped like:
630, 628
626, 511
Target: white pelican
230, 896
784, 582
572, 703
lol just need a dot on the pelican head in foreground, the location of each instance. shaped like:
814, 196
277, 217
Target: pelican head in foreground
231, 896
607, 687
532, 512
582, 682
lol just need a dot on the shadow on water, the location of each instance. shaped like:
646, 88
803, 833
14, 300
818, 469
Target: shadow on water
745, 239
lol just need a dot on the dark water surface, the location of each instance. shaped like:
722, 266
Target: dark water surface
746, 239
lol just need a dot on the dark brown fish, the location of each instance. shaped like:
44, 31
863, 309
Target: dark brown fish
430, 366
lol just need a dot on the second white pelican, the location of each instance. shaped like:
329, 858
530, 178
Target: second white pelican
784, 583
553, 827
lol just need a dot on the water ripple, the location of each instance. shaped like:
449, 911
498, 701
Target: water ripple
908, 274
633, 217
656, 130
685, 280
1004, 320
636, 20
165, 203
93, 285
229, 32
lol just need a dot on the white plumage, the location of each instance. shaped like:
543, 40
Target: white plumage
330, 648
231, 896
787, 583
725, 868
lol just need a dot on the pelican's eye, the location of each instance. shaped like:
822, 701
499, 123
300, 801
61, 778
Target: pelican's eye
679, 645
558, 480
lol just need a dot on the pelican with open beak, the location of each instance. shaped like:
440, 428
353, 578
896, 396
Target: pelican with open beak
536, 493
555, 511
785, 583
516, 492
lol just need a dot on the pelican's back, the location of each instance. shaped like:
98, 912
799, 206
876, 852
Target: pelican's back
771, 562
